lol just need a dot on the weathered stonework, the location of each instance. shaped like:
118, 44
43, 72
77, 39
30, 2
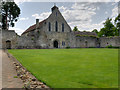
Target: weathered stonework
9, 37
54, 32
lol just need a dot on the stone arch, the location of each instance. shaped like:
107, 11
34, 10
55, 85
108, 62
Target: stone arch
8, 44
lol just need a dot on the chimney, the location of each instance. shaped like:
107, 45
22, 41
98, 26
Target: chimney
37, 23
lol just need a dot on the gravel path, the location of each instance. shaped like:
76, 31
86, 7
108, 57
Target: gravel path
8, 73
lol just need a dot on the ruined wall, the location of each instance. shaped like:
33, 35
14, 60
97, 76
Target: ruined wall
105, 41
9, 35
27, 40
86, 41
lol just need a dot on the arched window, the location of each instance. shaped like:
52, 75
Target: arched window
49, 26
56, 26
62, 27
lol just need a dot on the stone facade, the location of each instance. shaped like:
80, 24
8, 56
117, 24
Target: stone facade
54, 32
9, 39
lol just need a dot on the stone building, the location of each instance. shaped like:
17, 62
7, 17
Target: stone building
54, 32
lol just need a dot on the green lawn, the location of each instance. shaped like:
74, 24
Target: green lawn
72, 68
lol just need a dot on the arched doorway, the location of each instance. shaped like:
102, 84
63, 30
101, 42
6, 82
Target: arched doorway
8, 44
86, 43
55, 44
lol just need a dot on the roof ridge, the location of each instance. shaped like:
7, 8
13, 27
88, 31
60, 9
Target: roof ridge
33, 27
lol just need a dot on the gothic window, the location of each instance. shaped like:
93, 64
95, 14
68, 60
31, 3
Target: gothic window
49, 26
62, 27
56, 26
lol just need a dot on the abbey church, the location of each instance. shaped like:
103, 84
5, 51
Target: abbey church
54, 32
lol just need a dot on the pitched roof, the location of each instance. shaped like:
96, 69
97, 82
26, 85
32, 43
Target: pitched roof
33, 27
85, 33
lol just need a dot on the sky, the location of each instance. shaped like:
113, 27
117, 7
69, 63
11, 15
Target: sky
86, 16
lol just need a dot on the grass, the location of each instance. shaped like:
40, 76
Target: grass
72, 68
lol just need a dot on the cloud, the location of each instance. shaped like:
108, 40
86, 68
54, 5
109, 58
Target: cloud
88, 26
41, 16
114, 12
21, 1
106, 12
22, 19
81, 14
19, 31
67, 0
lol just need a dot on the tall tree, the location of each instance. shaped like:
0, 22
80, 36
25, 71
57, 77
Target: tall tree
75, 28
95, 30
107, 30
117, 23
10, 13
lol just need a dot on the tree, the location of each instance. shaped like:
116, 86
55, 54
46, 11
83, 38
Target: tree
107, 30
10, 13
117, 23
95, 30
75, 28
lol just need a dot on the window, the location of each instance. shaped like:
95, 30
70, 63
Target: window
45, 22
56, 26
62, 27
49, 26
63, 43
56, 13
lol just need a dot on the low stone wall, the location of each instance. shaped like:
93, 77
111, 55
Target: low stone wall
28, 79
9, 35
106, 41
86, 41
25, 43
89, 41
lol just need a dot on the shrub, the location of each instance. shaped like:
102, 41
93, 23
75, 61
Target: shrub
32, 38
78, 35
109, 46
67, 47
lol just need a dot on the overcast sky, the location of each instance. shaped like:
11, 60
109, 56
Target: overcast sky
85, 15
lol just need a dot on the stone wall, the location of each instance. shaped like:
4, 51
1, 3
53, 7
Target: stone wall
46, 40
105, 41
59, 37
11, 36
25, 42
57, 16
86, 41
